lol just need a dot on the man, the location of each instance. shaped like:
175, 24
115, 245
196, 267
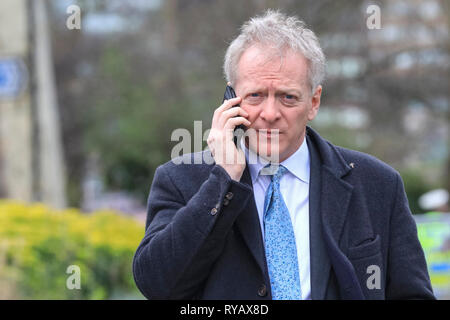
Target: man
328, 223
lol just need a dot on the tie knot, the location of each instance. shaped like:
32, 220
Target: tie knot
278, 172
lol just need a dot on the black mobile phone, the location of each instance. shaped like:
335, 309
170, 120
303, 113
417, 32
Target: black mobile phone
230, 94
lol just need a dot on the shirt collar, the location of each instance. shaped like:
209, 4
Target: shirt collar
298, 163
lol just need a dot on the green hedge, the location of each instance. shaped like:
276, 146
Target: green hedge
38, 244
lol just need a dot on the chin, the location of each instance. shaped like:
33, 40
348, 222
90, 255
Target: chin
267, 150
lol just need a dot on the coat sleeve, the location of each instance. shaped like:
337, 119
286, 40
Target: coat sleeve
407, 276
183, 240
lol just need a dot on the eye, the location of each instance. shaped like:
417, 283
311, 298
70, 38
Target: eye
254, 98
289, 99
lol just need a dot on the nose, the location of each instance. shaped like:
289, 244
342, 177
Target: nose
270, 111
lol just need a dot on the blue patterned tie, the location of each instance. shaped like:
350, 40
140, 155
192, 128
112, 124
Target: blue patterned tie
281, 251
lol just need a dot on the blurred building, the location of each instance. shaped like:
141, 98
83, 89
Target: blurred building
414, 44
396, 78
31, 157
15, 102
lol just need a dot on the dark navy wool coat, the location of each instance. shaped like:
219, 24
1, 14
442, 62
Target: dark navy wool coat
203, 237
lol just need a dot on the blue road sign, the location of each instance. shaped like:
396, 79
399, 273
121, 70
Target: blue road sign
13, 77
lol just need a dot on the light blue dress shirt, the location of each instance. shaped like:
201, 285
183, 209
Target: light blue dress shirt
294, 187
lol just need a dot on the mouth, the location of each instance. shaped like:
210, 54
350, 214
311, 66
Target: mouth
269, 132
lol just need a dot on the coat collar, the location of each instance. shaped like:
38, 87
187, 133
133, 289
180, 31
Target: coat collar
248, 223
330, 157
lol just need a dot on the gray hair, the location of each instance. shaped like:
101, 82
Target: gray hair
282, 32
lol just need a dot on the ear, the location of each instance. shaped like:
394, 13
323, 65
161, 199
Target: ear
315, 103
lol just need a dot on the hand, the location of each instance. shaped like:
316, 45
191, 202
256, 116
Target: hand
220, 139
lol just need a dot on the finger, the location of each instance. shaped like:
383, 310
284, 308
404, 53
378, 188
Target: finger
233, 122
227, 104
233, 112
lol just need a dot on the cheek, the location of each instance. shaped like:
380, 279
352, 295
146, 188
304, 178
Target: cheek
252, 113
296, 119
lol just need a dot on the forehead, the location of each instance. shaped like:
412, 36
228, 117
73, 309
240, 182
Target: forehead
262, 64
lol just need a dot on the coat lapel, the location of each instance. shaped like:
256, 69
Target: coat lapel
319, 262
335, 198
249, 227
335, 192
329, 199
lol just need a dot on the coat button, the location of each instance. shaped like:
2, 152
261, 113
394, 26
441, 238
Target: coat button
262, 291
213, 211
229, 195
226, 202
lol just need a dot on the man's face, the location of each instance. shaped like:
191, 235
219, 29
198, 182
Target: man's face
277, 95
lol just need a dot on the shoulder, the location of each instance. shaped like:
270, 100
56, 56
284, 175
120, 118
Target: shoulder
197, 161
368, 165
377, 182
343, 160
187, 168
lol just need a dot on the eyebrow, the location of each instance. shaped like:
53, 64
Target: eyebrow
289, 90
279, 90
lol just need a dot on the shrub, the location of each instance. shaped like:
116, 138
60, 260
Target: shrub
38, 244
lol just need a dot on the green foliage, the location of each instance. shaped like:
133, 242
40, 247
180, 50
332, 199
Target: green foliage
39, 244
415, 186
132, 120
121, 128
341, 136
